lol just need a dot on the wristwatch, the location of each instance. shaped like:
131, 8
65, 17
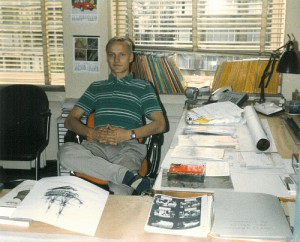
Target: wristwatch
133, 135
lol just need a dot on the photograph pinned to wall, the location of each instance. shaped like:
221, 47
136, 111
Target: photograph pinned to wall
84, 11
86, 54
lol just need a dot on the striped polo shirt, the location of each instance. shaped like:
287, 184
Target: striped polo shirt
119, 102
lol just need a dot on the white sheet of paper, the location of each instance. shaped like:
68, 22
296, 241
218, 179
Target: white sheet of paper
207, 140
65, 201
198, 152
260, 160
217, 168
263, 183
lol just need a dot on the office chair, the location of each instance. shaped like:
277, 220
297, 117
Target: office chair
24, 124
149, 165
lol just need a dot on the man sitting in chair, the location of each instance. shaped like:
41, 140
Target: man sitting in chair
119, 103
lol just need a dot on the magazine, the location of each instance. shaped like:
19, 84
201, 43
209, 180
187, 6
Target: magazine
180, 216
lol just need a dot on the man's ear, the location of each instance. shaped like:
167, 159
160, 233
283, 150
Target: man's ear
131, 57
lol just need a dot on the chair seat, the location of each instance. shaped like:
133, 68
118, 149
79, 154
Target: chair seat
97, 181
19, 149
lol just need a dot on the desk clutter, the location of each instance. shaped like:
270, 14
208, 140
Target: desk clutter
228, 215
58, 200
228, 141
230, 168
241, 160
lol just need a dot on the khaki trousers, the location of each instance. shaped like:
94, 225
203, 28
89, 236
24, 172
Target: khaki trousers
106, 162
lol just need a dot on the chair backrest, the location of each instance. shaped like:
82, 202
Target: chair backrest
24, 115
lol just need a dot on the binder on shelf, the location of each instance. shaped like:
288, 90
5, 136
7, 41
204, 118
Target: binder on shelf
160, 70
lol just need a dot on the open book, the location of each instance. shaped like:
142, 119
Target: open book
67, 202
10, 201
181, 216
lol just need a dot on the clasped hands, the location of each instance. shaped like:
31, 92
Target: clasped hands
110, 135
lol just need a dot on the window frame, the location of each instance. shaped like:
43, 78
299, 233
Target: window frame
42, 61
123, 23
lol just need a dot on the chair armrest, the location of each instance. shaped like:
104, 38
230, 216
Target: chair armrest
71, 136
153, 154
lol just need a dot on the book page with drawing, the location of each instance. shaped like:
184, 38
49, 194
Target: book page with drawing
10, 201
67, 202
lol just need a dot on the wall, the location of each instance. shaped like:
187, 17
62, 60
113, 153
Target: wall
77, 83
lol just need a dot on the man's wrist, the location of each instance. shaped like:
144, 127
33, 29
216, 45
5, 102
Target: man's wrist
132, 134
90, 133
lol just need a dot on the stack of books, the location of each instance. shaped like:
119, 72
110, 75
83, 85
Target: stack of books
68, 106
66, 109
160, 70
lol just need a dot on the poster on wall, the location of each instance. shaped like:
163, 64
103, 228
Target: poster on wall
86, 54
84, 11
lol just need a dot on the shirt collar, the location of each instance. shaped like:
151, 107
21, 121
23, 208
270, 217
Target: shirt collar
112, 78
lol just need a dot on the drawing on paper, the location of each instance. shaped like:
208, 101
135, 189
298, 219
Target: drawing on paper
62, 196
22, 194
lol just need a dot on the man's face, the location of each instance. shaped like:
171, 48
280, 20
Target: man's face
119, 59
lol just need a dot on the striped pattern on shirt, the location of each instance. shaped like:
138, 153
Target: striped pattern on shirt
120, 102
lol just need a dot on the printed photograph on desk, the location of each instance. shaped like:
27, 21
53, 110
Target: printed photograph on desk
181, 216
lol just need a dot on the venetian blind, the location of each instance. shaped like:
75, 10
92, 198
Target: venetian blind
31, 42
246, 26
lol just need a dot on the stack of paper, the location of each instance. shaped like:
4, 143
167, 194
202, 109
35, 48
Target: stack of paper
216, 113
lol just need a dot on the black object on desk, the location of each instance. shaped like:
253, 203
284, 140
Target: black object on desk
294, 127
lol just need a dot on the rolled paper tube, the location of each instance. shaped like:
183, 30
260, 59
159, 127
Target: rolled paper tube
256, 130
263, 144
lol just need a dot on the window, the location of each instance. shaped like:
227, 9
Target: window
202, 32
31, 42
